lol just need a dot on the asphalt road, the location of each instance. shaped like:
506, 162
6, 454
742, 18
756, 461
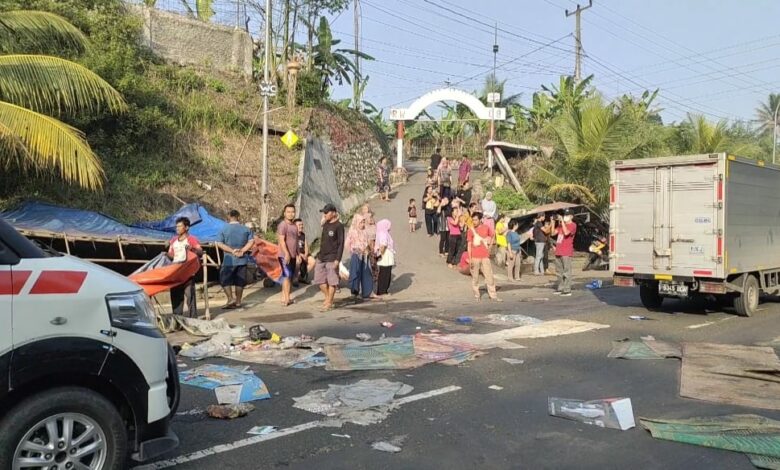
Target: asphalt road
474, 426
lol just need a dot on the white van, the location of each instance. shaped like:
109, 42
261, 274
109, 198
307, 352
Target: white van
86, 378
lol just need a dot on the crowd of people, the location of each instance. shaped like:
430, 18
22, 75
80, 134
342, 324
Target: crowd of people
472, 234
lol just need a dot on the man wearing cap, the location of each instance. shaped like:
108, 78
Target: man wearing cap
565, 229
326, 269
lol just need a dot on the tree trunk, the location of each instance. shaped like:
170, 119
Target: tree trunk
310, 42
286, 41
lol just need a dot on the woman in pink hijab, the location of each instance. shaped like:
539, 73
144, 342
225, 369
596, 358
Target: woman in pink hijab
385, 251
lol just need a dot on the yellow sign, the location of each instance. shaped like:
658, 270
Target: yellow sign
290, 139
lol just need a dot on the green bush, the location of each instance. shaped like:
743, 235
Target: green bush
509, 200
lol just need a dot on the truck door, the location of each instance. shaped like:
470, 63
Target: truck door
634, 220
692, 231
662, 251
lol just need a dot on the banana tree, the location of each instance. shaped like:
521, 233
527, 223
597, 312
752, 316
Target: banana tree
335, 65
203, 9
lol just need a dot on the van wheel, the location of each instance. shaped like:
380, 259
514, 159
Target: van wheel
649, 295
746, 303
64, 428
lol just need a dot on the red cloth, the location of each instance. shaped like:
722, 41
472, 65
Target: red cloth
165, 278
464, 267
266, 255
565, 243
481, 251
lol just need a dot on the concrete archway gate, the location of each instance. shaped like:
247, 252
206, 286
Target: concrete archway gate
443, 94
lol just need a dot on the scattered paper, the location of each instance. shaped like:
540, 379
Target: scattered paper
496, 387
260, 430
385, 447
228, 394
513, 361
615, 413
345, 436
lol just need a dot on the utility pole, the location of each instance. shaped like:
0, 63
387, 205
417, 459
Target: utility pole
356, 83
266, 77
495, 87
774, 133
578, 38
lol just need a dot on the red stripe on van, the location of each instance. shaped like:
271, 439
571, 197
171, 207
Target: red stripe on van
702, 272
11, 283
59, 282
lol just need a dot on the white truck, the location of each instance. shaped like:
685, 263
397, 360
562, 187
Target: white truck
696, 225
86, 378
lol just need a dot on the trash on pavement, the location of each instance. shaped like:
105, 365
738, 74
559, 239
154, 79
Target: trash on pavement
645, 349
364, 402
261, 430
229, 411
215, 346
345, 436
513, 361
756, 436
385, 447
464, 320
594, 284
387, 324
615, 413
211, 376
393, 445
363, 336
259, 333
500, 339
496, 387
228, 394
197, 327
733, 374
638, 317
514, 319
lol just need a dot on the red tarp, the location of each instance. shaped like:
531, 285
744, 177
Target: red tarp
266, 255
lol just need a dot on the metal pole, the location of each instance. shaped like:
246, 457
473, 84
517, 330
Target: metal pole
774, 134
356, 84
266, 76
578, 39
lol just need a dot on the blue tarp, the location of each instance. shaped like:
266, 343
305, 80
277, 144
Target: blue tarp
75, 222
205, 227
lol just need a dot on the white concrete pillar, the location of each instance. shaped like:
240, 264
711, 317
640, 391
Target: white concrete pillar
399, 142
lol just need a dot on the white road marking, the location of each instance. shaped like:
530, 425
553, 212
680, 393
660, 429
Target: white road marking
702, 325
218, 449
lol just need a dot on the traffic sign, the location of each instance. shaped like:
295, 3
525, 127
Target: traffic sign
290, 139
494, 98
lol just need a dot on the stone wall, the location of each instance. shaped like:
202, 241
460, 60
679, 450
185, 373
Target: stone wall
188, 41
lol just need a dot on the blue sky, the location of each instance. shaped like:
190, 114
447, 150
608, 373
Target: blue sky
720, 58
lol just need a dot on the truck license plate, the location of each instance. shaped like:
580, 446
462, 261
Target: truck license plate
677, 289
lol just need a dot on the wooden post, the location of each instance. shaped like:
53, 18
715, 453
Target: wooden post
206, 285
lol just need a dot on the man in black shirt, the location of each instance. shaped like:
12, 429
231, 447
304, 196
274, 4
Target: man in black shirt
541, 232
436, 159
326, 269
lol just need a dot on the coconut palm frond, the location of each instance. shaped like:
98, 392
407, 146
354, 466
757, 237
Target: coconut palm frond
52, 85
39, 30
48, 144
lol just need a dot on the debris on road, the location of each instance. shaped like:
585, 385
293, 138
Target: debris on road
261, 430
386, 324
496, 387
364, 402
385, 447
638, 317
594, 284
514, 319
392, 446
615, 413
464, 320
500, 339
217, 345
756, 436
732, 374
228, 394
229, 411
212, 376
345, 436
363, 336
645, 349
197, 327
513, 361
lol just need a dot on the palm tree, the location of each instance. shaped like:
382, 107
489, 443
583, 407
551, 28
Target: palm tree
590, 136
704, 137
569, 93
36, 88
334, 65
765, 114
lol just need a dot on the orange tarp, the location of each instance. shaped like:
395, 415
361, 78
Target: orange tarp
266, 255
162, 279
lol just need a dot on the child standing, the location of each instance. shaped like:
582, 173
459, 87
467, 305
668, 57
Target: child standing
412, 211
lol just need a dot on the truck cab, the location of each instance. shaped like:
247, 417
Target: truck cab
88, 380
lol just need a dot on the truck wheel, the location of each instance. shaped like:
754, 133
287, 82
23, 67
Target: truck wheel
649, 295
64, 428
746, 303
